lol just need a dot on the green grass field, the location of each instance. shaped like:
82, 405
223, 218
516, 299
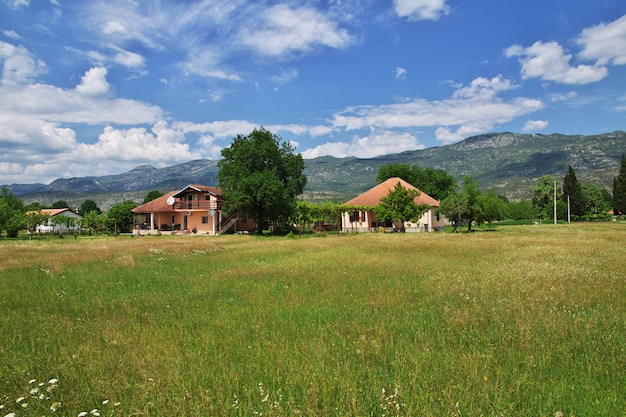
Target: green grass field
519, 321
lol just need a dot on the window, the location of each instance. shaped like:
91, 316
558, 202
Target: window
207, 197
205, 219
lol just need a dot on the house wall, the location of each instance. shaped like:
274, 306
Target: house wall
365, 221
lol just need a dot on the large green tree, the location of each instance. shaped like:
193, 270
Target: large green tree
152, 195
595, 203
619, 189
261, 175
400, 205
472, 196
12, 218
437, 183
543, 197
120, 216
573, 191
453, 207
88, 206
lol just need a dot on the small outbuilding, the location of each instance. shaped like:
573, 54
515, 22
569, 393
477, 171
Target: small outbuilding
60, 220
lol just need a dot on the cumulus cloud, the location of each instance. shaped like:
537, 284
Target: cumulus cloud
475, 108
421, 9
535, 125
605, 43
137, 144
19, 65
375, 144
548, 61
94, 83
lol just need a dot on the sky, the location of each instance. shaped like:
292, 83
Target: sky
100, 87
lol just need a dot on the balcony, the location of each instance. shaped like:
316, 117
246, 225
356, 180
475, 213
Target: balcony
203, 205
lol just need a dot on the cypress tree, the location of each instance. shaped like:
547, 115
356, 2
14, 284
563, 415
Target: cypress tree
619, 189
573, 189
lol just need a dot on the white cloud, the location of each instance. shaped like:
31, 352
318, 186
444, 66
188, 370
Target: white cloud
472, 109
137, 144
535, 125
375, 144
400, 73
94, 83
16, 4
548, 61
482, 88
605, 43
129, 59
282, 31
421, 9
11, 34
285, 76
19, 65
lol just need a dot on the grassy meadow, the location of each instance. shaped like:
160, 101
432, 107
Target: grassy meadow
518, 321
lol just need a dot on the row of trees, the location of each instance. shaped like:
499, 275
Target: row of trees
15, 216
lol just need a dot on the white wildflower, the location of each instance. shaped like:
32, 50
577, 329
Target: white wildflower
55, 406
82, 414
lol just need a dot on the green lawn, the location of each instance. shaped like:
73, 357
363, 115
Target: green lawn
518, 321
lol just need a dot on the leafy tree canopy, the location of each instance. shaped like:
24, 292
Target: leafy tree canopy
12, 218
437, 183
543, 197
453, 207
472, 196
619, 189
60, 204
261, 176
88, 206
152, 195
400, 205
121, 216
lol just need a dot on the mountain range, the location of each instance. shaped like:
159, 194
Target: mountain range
509, 163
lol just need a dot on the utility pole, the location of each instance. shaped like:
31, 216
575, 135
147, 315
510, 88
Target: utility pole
555, 201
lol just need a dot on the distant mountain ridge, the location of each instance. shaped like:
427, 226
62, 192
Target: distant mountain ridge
510, 163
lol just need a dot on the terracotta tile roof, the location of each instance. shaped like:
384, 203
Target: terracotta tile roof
156, 205
54, 212
51, 212
372, 196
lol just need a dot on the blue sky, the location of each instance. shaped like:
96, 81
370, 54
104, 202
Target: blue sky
99, 87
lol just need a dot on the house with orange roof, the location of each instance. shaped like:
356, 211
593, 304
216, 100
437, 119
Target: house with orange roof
361, 216
194, 209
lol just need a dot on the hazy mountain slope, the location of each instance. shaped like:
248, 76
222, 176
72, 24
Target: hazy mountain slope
507, 162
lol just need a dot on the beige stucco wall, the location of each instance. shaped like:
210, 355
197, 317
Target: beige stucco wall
366, 218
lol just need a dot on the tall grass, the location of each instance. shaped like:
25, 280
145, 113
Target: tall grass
518, 321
